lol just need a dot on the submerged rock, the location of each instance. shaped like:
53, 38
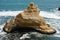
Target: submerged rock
59, 9
29, 18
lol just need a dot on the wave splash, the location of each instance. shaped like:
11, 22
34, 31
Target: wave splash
50, 14
46, 14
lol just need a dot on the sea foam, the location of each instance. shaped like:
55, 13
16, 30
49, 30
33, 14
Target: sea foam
42, 13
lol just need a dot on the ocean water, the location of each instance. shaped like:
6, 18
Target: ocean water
48, 9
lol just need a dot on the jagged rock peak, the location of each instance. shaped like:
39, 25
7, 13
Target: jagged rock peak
32, 8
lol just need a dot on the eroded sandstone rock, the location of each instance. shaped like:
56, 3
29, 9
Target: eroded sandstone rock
30, 18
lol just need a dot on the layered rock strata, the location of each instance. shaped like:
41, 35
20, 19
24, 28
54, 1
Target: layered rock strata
29, 18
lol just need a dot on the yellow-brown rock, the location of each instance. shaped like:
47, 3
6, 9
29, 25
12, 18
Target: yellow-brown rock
30, 18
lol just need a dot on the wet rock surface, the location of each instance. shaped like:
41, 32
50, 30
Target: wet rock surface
13, 36
22, 36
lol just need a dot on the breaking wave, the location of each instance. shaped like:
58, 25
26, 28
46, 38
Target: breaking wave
46, 14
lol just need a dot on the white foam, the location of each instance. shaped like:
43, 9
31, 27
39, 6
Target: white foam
49, 15
42, 13
1, 33
57, 34
9, 13
1, 30
25, 36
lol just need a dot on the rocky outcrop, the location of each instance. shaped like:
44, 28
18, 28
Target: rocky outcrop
59, 9
29, 18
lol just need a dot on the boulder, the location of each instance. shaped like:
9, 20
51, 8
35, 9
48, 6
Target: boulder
29, 18
59, 9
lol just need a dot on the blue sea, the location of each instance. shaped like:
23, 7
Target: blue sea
48, 10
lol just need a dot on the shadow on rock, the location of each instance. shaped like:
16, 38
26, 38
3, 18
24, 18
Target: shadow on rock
19, 32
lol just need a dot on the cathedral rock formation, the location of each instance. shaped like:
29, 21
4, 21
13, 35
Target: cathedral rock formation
29, 18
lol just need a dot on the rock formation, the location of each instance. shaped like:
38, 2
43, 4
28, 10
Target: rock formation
29, 18
59, 9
